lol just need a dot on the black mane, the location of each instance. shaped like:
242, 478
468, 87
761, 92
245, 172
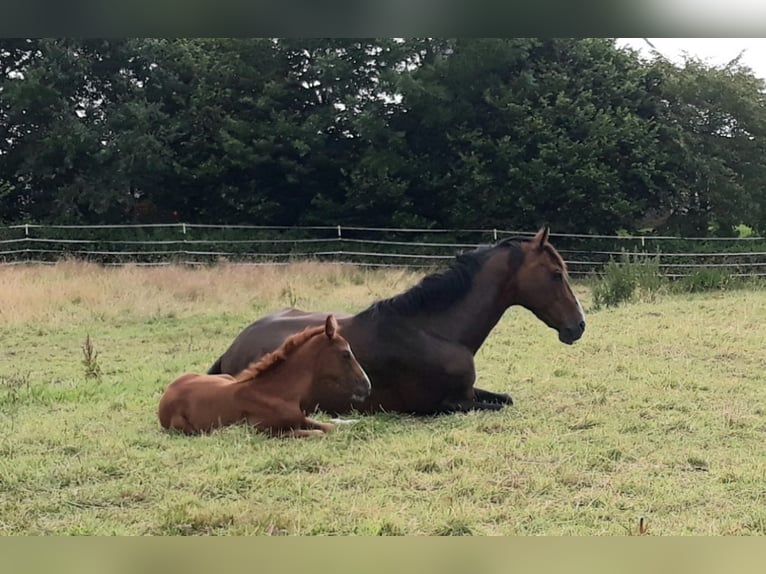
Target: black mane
437, 291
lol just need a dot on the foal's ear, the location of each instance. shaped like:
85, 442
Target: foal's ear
541, 237
330, 326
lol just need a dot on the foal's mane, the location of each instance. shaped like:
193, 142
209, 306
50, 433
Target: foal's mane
437, 291
271, 360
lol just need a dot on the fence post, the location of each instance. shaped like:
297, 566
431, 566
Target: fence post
339, 231
26, 230
494, 234
183, 228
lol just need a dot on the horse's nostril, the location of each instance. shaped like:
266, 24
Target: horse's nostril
582, 325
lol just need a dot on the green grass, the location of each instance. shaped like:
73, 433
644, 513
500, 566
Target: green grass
658, 412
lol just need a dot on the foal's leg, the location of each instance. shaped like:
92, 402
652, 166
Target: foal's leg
299, 433
180, 423
324, 427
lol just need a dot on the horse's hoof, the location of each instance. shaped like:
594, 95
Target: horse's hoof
488, 406
502, 399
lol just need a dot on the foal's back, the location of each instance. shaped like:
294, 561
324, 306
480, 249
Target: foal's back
196, 403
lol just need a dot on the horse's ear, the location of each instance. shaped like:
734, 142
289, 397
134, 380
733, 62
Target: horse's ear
541, 238
330, 326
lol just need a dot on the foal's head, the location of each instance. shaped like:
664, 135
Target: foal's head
337, 372
540, 284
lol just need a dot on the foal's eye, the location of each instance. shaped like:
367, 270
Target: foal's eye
346, 354
558, 276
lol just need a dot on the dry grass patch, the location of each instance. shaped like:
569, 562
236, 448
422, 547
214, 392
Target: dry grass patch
75, 290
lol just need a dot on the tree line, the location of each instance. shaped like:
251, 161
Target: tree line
420, 132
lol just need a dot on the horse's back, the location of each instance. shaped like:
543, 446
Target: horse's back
265, 335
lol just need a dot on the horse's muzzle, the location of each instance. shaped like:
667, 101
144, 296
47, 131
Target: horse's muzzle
362, 391
570, 334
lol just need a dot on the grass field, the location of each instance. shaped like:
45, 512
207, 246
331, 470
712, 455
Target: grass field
658, 412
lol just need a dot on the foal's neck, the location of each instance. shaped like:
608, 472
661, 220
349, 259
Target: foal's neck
288, 380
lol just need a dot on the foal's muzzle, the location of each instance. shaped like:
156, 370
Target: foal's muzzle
571, 333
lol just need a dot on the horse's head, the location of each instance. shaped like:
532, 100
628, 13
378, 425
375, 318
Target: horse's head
540, 284
337, 371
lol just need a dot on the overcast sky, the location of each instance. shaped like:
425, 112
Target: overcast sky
714, 50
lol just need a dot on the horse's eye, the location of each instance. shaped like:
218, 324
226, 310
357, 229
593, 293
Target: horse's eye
558, 276
346, 355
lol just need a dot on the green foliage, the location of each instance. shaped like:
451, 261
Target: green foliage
743, 230
634, 277
713, 279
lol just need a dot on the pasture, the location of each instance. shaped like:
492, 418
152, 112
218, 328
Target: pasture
657, 412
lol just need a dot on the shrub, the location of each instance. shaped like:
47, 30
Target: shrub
633, 277
704, 280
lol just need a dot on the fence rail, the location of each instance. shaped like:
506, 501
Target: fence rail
203, 244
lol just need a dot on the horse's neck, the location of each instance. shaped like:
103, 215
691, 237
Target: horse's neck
469, 319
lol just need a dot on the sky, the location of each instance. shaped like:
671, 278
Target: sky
717, 51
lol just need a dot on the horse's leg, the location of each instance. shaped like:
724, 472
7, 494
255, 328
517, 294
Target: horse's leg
324, 427
483, 396
466, 405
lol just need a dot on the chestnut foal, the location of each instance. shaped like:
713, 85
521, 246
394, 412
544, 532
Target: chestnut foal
274, 392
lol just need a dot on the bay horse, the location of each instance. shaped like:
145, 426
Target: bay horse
418, 347
273, 393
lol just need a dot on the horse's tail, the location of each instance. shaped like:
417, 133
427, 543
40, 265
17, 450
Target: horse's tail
216, 368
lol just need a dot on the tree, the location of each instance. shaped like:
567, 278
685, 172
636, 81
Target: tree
513, 132
715, 144
62, 153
